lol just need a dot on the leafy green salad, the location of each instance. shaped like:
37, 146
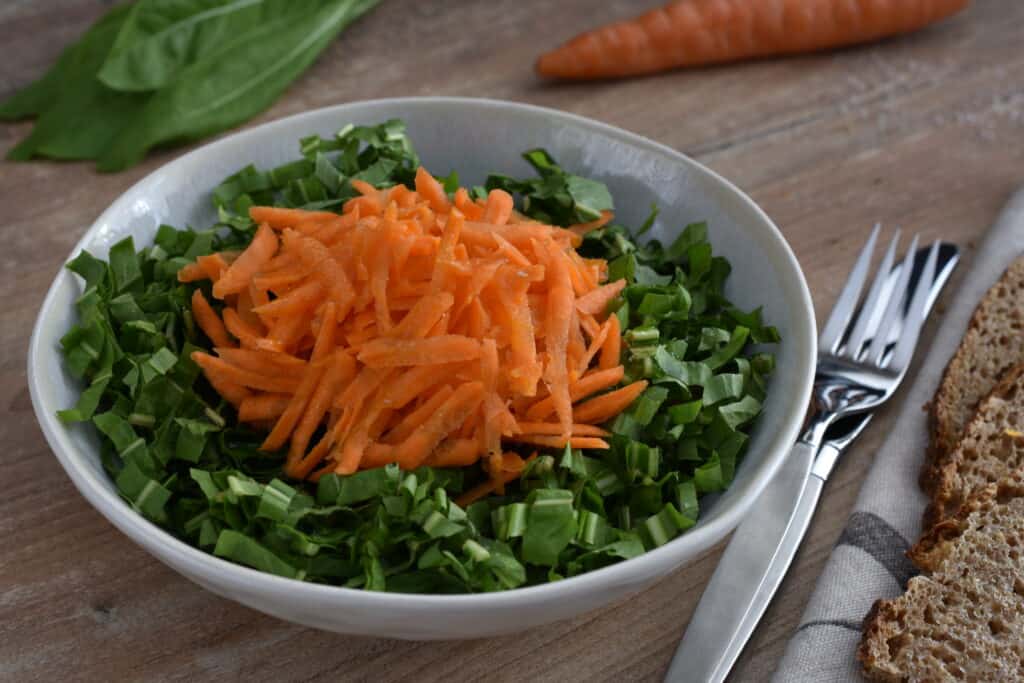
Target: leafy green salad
180, 457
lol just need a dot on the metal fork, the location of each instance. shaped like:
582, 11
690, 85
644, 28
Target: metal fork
864, 352
855, 374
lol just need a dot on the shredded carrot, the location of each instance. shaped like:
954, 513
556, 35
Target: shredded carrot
388, 352
245, 378
586, 274
448, 417
423, 315
589, 384
510, 250
406, 427
415, 327
328, 271
341, 369
611, 350
596, 302
299, 298
609, 405
551, 428
499, 207
225, 385
215, 265
589, 325
247, 334
263, 407
279, 219
465, 204
597, 341
512, 467
584, 228
455, 453
516, 322
209, 322
193, 272
560, 441
257, 254
326, 334
557, 323
281, 279
260, 361
293, 413
431, 190
284, 332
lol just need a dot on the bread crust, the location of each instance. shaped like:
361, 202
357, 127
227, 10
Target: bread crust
944, 433
945, 498
874, 624
934, 545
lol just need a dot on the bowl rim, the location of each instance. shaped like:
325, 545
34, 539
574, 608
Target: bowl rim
204, 564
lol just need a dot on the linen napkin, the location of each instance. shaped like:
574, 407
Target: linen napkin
868, 561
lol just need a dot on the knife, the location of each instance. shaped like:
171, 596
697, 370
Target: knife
764, 545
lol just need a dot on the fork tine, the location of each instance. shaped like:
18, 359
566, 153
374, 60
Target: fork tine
846, 304
916, 314
895, 306
874, 304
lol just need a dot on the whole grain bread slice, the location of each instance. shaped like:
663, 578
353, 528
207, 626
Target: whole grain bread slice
994, 341
991, 448
965, 621
937, 544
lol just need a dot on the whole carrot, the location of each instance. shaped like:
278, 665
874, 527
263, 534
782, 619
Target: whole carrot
699, 32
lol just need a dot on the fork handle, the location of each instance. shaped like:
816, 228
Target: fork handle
749, 572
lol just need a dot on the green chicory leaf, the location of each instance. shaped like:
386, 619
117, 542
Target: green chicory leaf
159, 72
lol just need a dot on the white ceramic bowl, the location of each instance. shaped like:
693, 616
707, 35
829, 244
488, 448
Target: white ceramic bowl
475, 137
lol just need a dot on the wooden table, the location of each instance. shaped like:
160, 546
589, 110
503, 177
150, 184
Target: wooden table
924, 131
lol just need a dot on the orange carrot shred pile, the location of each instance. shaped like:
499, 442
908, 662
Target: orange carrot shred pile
413, 328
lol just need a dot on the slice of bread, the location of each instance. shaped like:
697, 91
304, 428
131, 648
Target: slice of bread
964, 622
991, 448
994, 341
937, 544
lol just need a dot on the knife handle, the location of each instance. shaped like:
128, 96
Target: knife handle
749, 572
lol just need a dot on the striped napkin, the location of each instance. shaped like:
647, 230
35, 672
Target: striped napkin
868, 561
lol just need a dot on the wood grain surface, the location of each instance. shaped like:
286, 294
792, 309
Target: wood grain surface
925, 131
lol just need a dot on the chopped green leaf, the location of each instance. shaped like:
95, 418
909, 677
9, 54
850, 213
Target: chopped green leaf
240, 548
550, 526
